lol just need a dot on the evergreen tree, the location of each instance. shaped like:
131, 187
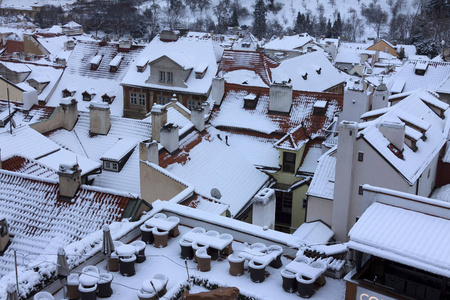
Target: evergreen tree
329, 29
309, 25
259, 22
337, 27
234, 20
300, 23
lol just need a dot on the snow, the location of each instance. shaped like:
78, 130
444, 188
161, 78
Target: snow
79, 77
329, 76
310, 162
188, 53
414, 162
442, 193
244, 77
322, 184
314, 232
406, 236
287, 43
211, 164
121, 148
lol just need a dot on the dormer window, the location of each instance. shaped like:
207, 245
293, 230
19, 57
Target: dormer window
108, 97
245, 45
421, 68
115, 63
141, 65
87, 96
200, 71
67, 93
95, 61
250, 101
320, 108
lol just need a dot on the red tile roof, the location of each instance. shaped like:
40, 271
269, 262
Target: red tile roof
39, 221
25, 166
257, 62
14, 46
301, 111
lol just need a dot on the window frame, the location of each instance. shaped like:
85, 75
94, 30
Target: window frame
134, 98
169, 77
288, 163
162, 76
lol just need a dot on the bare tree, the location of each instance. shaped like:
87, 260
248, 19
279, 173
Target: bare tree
375, 16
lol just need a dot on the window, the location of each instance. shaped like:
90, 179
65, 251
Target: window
162, 76
289, 162
304, 203
133, 98
193, 104
429, 173
360, 190
169, 77
141, 99
198, 76
112, 166
137, 98
162, 100
360, 156
286, 202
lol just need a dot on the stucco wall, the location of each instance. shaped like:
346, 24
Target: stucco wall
319, 209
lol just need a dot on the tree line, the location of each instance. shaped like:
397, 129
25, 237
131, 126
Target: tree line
426, 27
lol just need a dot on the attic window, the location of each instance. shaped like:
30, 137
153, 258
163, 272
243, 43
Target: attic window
87, 96
420, 68
111, 166
67, 93
108, 98
200, 71
320, 108
95, 62
250, 101
115, 63
245, 45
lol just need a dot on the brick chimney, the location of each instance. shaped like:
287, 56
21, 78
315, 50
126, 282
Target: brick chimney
170, 137
198, 118
99, 115
148, 151
159, 119
264, 208
69, 180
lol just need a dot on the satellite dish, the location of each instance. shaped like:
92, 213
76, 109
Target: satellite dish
216, 193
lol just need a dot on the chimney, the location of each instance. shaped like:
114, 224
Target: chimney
263, 212
159, 119
69, 180
148, 151
380, 97
70, 109
394, 131
99, 115
169, 137
206, 107
280, 97
217, 89
198, 118
4, 234
342, 218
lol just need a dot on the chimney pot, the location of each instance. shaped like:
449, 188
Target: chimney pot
170, 137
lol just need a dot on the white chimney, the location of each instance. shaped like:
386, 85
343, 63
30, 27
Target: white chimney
169, 137
100, 121
394, 131
148, 151
69, 179
380, 97
217, 89
264, 204
280, 97
70, 109
198, 118
206, 107
159, 119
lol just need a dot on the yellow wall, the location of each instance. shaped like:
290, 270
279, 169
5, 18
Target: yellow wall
15, 94
298, 213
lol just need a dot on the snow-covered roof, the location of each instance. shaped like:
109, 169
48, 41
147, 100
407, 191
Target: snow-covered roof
435, 75
122, 135
320, 73
404, 235
41, 223
289, 42
241, 64
322, 184
231, 113
418, 109
314, 232
187, 52
79, 77
121, 148
310, 160
206, 162
445, 86
30, 167
442, 193
29, 4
